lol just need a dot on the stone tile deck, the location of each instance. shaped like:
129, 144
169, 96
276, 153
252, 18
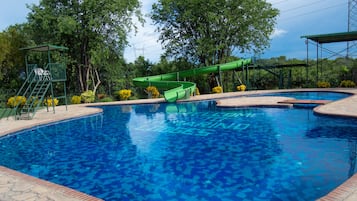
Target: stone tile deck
16, 186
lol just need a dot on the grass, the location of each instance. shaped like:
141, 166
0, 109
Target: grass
2, 110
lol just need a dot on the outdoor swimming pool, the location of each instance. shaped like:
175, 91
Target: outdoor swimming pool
190, 151
310, 95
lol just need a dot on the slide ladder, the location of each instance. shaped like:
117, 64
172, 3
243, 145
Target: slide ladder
175, 89
34, 89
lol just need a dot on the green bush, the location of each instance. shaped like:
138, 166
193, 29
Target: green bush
322, 84
106, 99
76, 100
88, 96
347, 83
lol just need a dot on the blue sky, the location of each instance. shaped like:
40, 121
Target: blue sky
297, 18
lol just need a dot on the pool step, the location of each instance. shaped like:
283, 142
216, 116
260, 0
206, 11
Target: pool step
319, 102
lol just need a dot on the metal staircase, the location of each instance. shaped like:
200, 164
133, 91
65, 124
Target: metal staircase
34, 89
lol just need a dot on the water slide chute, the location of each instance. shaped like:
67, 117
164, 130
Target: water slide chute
175, 89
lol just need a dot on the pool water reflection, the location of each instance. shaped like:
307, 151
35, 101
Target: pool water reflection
190, 151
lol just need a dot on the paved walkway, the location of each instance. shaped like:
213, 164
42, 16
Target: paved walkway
15, 186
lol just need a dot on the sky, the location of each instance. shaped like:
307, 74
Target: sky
297, 18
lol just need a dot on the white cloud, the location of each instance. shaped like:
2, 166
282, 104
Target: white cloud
278, 33
145, 41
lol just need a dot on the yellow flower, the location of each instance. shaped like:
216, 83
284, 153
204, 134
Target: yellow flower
124, 94
153, 91
241, 87
76, 99
48, 102
347, 83
322, 84
16, 101
217, 89
197, 91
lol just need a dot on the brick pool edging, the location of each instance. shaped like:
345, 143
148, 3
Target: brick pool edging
346, 191
36, 186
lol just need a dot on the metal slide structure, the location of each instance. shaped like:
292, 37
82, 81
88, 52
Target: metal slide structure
176, 89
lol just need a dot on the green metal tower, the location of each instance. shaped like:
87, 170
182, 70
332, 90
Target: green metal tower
45, 66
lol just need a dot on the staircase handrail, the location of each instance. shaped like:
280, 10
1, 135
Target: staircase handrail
31, 77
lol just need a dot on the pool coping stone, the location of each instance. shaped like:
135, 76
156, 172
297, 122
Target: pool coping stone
18, 186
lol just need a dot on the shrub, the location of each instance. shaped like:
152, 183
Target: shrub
76, 100
241, 87
152, 91
347, 83
323, 84
217, 89
124, 94
88, 96
106, 99
101, 96
48, 101
16, 101
197, 91
34, 100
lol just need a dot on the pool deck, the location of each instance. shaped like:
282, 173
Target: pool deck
16, 186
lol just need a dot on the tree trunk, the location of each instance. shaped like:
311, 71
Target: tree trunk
97, 83
80, 77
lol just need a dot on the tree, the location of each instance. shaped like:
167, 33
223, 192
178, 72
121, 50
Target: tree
209, 31
142, 67
91, 28
11, 57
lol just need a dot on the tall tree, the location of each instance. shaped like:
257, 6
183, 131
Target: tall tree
11, 57
90, 28
208, 31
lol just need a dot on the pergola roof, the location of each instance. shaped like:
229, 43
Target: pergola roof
45, 47
333, 37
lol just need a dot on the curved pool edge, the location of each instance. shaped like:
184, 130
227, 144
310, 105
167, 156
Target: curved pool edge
42, 117
345, 107
20, 186
272, 101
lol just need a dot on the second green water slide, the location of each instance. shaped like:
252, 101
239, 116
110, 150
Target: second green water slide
176, 90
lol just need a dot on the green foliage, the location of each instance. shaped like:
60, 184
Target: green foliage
323, 84
347, 83
106, 99
209, 34
94, 30
76, 99
88, 96
11, 57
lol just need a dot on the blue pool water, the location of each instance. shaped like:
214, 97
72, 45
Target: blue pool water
190, 151
310, 95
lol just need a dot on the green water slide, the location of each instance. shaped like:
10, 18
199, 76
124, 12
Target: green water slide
175, 89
